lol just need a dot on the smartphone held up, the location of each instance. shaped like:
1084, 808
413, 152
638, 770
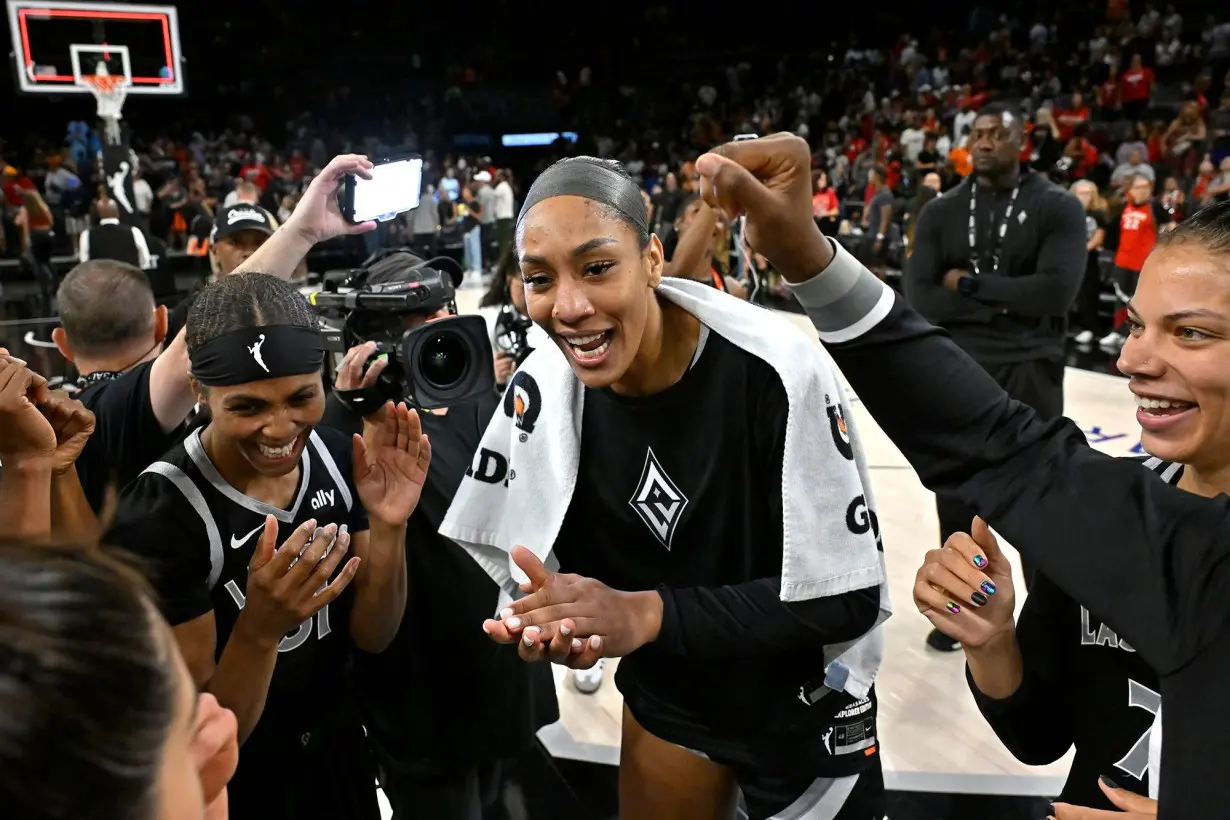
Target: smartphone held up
393, 189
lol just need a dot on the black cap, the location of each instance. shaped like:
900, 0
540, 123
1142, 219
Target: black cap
242, 217
403, 263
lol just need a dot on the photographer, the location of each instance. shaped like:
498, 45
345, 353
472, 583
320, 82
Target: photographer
441, 763
513, 335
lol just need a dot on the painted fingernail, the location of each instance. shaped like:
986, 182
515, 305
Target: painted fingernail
531, 635
1108, 783
577, 645
564, 629
485, 629
505, 614
513, 623
979, 599
953, 608
979, 561
988, 587
595, 642
316, 533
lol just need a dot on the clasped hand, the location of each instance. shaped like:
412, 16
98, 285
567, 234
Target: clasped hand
37, 424
572, 620
293, 582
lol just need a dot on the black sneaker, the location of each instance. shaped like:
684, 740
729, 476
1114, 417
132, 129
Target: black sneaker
942, 643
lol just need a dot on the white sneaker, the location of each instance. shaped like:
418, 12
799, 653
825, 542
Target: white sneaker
1084, 337
1112, 340
587, 681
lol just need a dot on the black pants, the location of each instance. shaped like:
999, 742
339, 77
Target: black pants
1040, 385
1087, 301
468, 795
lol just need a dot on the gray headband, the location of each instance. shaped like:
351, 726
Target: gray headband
587, 179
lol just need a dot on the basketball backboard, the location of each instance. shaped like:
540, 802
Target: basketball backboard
55, 44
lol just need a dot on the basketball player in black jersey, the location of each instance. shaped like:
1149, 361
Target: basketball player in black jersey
268, 631
1040, 686
1149, 558
712, 659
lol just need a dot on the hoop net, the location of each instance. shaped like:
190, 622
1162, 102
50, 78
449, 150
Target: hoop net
109, 92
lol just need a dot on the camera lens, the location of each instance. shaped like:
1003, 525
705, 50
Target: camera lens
442, 360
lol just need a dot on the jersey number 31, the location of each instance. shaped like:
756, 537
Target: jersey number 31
300, 636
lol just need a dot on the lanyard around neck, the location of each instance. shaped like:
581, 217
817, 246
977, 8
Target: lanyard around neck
998, 237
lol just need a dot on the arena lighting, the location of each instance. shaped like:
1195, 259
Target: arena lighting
530, 140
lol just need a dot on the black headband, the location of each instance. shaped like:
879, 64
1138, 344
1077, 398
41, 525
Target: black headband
254, 354
578, 177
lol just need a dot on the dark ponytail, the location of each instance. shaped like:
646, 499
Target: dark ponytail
87, 687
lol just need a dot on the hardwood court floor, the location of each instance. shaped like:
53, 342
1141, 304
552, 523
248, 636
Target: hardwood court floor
932, 736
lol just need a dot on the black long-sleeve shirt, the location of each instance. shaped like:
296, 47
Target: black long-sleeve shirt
1019, 312
681, 492
1152, 560
1082, 686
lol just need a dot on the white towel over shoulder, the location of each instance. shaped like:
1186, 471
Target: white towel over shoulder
521, 481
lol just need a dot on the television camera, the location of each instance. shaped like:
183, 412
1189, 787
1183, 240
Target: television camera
388, 300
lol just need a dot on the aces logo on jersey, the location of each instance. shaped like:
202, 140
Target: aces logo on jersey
837, 425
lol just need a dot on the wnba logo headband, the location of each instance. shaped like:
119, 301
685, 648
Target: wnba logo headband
254, 354
587, 179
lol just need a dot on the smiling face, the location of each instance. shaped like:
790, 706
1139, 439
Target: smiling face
267, 422
589, 284
1178, 355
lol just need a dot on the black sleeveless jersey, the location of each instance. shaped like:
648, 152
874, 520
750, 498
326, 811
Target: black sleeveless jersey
1083, 685
196, 534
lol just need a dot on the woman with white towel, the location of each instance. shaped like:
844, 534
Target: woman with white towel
658, 452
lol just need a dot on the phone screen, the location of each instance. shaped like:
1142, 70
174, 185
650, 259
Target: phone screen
393, 189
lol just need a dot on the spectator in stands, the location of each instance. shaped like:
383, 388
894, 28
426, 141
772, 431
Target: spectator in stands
929, 158
1088, 300
237, 232
1046, 143
1072, 115
928, 190
1138, 225
825, 205
1173, 200
36, 233
244, 193
113, 332
1135, 86
1003, 292
425, 222
484, 195
143, 194
1134, 166
877, 219
1184, 139
110, 239
503, 210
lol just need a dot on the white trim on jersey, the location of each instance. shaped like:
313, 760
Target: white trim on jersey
1167, 469
196, 451
192, 494
331, 466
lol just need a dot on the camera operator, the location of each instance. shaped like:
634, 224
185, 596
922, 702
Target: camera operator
513, 334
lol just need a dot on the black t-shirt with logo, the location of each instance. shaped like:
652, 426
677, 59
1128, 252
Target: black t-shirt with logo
1083, 686
682, 491
127, 437
196, 535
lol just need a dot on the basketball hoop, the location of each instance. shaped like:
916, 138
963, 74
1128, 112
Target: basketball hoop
110, 92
